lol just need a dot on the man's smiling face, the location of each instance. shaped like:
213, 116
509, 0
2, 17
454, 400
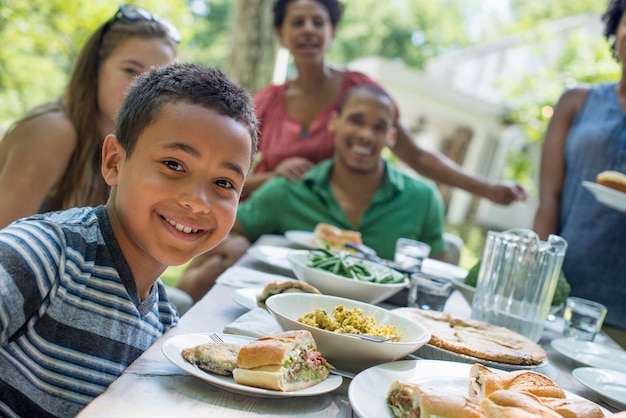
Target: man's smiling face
363, 128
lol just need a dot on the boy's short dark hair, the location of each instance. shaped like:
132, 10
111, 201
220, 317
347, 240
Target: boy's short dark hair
189, 83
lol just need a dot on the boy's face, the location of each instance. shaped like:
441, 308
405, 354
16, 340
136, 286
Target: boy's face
364, 127
176, 196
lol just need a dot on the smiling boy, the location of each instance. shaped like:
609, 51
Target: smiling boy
80, 297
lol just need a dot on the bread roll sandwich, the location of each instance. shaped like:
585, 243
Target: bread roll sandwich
515, 404
613, 179
286, 286
406, 400
483, 382
285, 362
573, 408
335, 238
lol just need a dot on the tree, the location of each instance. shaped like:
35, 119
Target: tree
251, 60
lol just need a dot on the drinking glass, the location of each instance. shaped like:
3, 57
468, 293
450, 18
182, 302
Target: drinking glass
583, 318
411, 253
429, 292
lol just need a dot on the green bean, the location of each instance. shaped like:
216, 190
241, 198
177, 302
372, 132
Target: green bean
346, 265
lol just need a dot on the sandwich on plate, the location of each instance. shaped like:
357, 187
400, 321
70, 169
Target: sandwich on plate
483, 382
285, 362
326, 235
285, 286
408, 400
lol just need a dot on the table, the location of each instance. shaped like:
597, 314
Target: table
153, 387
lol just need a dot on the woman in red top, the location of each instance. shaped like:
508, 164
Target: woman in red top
294, 115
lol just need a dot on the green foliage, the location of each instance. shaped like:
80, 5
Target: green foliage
584, 61
41, 38
528, 14
407, 30
209, 35
562, 291
472, 276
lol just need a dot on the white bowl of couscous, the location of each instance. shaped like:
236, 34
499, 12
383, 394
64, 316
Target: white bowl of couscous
346, 352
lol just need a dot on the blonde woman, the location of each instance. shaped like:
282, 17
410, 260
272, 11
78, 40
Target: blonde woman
50, 159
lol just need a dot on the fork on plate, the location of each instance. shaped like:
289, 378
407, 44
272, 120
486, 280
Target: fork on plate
216, 338
373, 338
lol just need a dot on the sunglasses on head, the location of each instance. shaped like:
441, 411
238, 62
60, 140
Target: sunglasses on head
135, 13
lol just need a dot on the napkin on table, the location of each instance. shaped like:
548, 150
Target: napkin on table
256, 323
240, 277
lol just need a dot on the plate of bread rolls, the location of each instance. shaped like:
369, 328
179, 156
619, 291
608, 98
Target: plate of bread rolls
423, 388
609, 189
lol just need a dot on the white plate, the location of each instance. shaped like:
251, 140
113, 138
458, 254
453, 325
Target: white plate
246, 296
368, 390
173, 347
608, 384
440, 268
592, 354
303, 238
607, 196
269, 254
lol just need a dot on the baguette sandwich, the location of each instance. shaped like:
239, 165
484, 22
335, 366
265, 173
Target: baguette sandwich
406, 400
483, 382
284, 362
286, 286
335, 238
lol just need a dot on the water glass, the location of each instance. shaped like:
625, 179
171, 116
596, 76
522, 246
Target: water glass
429, 292
583, 318
410, 253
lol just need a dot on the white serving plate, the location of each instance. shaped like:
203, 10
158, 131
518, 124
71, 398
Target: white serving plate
608, 384
271, 255
443, 269
368, 390
592, 354
607, 196
302, 238
173, 347
305, 239
246, 296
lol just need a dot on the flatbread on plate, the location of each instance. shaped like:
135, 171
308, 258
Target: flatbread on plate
476, 338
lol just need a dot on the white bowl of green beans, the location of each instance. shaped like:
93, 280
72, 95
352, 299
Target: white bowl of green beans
344, 275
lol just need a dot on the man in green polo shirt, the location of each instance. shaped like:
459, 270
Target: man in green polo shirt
355, 190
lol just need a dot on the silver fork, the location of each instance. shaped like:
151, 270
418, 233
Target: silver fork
373, 338
216, 338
